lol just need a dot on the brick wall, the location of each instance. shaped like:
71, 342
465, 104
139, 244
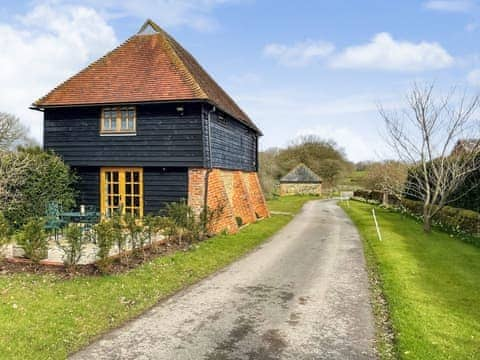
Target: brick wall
232, 195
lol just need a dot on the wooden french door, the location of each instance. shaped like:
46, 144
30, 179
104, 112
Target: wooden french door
121, 189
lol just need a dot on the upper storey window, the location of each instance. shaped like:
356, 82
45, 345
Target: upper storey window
120, 119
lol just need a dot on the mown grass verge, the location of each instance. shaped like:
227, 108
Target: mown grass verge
42, 316
431, 284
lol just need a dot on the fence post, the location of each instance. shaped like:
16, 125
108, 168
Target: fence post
376, 225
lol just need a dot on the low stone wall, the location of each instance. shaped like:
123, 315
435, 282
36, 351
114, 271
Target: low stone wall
56, 255
232, 194
300, 189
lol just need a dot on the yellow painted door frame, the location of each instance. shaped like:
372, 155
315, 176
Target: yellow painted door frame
121, 188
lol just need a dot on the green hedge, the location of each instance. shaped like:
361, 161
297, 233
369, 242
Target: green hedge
375, 196
450, 219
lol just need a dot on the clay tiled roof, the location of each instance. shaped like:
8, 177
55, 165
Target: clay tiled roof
149, 67
301, 174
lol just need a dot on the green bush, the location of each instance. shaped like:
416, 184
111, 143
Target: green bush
46, 179
134, 230
150, 228
450, 219
74, 244
106, 237
33, 239
5, 230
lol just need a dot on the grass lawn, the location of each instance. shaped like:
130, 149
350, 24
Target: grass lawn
431, 282
44, 317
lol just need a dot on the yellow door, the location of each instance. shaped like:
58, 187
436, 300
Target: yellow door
121, 189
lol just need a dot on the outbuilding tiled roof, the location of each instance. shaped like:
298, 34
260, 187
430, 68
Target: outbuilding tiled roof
150, 66
301, 174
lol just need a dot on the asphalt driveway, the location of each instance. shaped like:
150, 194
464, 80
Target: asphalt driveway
302, 295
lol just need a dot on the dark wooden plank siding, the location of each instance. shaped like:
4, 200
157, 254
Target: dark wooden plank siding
160, 186
163, 185
233, 145
163, 138
88, 186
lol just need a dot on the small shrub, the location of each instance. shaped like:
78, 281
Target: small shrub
134, 231
151, 226
5, 230
117, 235
105, 239
182, 220
75, 244
33, 239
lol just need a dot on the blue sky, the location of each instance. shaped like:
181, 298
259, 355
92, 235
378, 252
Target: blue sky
303, 67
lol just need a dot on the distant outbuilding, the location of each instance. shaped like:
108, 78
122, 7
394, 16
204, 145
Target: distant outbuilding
301, 180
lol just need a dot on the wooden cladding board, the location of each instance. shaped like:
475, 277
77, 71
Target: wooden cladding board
234, 146
163, 137
160, 186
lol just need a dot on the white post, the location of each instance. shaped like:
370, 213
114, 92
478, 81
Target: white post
376, 225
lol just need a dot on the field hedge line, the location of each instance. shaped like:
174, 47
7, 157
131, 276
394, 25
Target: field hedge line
462, 222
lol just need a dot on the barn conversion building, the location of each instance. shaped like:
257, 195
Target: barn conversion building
301, 180
146, 124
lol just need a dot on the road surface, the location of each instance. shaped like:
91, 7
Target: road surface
302, 295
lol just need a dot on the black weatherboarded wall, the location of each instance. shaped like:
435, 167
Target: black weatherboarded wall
233, 145
163, 137
165, 145
160, 186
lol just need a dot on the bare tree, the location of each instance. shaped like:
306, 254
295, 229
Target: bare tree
12, 132
12, 177
424, 135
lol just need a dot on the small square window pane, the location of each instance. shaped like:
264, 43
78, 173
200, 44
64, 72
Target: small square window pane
130, 124
115, 176
136, 176
124, 123
113, 124
128, 189
136, 201
136, 189
128, 176
128, 201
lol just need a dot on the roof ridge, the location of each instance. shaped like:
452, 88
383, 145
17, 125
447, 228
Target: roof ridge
204, 71
44, 97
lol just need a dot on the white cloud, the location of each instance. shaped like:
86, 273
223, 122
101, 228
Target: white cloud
473, 77
299, 54
196, 14
384, 52
449, 5
43, 48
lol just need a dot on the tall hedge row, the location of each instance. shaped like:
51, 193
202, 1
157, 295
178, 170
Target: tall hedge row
467, 196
